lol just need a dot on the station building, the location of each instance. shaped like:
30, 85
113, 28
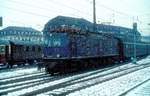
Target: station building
15, 33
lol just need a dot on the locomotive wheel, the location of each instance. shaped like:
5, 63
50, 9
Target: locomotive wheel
49, 71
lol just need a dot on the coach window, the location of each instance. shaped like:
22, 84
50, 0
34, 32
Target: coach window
15, 48
4, 33
127, 46
14, 32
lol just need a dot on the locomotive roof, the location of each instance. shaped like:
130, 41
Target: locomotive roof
63, 20
121, 32
81, 23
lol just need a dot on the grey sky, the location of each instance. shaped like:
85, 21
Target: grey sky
35, 13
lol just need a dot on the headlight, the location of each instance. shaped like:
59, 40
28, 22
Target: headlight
58, 55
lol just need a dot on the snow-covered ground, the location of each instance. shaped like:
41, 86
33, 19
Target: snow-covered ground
143, 90
17, 72
116, 86
67, 79
145, 60
112, 87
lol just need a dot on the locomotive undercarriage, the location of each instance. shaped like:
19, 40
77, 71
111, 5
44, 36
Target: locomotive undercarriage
66, 65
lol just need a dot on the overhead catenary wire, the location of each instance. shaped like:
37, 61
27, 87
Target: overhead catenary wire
50, 10
27, 12
61, 4
37, 7
113, 10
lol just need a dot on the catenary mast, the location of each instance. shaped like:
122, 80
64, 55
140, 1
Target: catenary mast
94, 16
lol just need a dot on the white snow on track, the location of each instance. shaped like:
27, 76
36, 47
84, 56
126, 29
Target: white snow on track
53, 83
116, 86
17, 72
24, 82
26, 76
110, 88
142, 90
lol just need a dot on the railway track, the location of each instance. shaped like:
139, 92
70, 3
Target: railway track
70, 87
40, 83
124, 93
20, 72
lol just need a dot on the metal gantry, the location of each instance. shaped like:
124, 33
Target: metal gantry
134, 31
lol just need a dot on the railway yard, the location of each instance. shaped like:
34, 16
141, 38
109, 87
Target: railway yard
118, 80
74, 48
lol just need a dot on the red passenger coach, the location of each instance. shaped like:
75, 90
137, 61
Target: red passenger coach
2, 54
20, 52
4, 45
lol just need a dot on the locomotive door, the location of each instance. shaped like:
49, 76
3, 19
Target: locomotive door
7, 53
100, 49
73, 46
121, 50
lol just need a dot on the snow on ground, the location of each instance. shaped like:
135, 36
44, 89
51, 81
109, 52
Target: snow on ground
116, 86
110, 88
63, 80
50, 84
88, 80
56, 82
143, 90
23, 82
22, 71
18, 71
145, 60
19, 77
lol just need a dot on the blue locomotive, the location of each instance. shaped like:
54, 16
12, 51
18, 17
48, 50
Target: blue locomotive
69, 48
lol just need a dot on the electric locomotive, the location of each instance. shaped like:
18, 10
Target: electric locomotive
69, 49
